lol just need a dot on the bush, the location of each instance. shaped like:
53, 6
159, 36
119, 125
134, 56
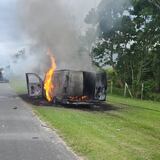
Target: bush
111, 75
149, 86
152, 96
149, 94
117, 91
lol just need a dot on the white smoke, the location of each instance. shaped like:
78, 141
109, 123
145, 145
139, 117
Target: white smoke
50, 24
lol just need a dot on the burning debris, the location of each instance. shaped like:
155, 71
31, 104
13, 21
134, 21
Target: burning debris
68, 86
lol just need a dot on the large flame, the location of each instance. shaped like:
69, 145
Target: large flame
49, 78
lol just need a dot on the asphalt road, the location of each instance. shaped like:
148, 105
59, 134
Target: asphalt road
22, 135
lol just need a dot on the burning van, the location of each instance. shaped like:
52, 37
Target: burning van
69, 87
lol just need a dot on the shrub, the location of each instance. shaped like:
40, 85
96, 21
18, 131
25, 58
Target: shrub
152, 96
149, 86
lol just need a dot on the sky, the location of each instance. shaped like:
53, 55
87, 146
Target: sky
9, 36
11, 39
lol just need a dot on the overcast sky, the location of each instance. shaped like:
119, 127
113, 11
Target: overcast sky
10, 35
9, 39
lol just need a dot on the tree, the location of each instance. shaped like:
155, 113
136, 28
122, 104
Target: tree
155, 2
129, 40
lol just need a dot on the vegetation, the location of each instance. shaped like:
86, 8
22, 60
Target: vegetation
19, 85
129, 35
131, 132
129, 42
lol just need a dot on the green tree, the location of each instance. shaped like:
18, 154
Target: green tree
129, 40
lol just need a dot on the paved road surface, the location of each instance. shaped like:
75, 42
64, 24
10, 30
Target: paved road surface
22, 136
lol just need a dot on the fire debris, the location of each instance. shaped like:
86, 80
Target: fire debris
68, 86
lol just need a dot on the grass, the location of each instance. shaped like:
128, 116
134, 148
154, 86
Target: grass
132, 132
19, 85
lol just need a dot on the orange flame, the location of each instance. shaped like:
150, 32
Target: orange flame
48, 81
78, 98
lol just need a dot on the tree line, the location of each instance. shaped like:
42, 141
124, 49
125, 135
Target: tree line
129, 42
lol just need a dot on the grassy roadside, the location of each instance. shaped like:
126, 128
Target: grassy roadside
18, 85
132, 132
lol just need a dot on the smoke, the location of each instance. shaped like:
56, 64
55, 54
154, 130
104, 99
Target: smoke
50, 24
108, 11
56, 25
103, 18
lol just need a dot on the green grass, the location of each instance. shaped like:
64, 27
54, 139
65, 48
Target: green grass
132, 132
19, 85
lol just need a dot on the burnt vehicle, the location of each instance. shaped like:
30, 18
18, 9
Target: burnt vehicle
71, 87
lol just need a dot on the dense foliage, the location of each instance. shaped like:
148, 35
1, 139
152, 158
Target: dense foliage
129, 41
